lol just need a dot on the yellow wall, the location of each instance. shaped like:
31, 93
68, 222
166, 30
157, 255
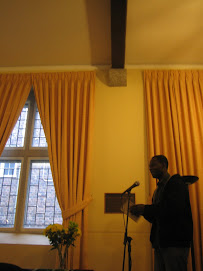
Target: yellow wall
28, 256
119, 159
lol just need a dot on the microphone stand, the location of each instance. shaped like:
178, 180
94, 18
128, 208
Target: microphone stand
127, 240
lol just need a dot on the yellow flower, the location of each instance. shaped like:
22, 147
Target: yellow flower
56, 227
58, 235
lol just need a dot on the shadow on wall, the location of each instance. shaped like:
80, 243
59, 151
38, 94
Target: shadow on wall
102, 75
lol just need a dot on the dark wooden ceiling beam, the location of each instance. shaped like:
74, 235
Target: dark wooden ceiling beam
118, 33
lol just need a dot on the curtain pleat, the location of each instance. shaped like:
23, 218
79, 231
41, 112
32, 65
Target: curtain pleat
14, 91
66, 106
174, 109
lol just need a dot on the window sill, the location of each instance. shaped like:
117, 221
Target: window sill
25, 239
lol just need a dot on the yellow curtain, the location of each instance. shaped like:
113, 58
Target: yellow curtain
174, 106
14, 90
66, 106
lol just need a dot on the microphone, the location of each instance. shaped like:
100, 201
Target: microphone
131, 187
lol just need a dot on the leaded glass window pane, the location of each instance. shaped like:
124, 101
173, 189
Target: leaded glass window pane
42, 207
17, 136
9, 182
38, 139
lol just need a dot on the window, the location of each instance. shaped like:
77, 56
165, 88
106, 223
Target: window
8, 169
42, 207
17, 136
38, 139
9, 183
27, 195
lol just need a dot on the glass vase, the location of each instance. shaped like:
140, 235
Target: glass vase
63, 255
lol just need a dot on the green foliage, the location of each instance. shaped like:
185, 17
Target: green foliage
60, 236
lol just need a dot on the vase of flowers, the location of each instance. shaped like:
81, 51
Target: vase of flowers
61, 239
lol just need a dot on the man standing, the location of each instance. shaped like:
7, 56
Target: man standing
171, 218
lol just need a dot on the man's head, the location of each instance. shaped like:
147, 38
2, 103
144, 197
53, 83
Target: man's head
158, 166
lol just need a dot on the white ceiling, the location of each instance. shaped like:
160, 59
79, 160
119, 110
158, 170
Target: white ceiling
78, 32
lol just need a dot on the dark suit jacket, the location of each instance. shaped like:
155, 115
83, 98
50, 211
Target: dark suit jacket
172, 215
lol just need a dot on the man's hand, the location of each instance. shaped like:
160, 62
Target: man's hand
137, 209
